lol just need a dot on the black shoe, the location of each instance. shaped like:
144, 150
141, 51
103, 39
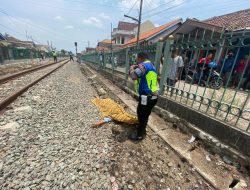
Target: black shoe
135, 137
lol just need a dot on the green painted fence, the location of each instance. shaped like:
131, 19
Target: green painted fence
10, 53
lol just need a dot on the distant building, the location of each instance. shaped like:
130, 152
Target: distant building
124, 32
105, 45
4, 50
145, 26
90, 49
13, 48
20, 43
127, 31
43, 48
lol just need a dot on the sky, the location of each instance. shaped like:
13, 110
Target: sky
63, 22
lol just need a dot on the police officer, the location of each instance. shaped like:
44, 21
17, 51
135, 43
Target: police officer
145, 77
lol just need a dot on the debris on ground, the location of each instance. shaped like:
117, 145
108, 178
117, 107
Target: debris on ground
190, 141
208, 158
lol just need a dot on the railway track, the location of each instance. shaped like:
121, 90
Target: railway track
10, 77
14, 85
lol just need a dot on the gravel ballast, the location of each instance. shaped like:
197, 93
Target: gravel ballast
48, 143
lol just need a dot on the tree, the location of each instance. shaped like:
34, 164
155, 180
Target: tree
63, 51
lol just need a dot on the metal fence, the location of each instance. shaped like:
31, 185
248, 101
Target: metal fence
10, 53
218, 87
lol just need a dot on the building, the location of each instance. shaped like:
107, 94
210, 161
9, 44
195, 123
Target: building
104, 45
20, 43
145, 26
231, 21
124, 32
43, 48
152, 36
13, 48
127, 31
4, 50
90, 49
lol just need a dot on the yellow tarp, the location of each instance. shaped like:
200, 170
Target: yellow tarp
110, 108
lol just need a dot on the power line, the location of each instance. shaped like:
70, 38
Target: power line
132, 7
18, 32
147, 4
156, 13
36, 26
191, 8
159, 6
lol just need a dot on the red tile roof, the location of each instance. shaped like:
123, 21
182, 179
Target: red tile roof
235, 20
152, 32
126, 26
107, 41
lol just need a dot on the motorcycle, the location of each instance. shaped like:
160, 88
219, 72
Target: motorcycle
196, 76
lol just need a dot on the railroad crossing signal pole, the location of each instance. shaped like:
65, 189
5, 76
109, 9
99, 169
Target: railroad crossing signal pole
76, 51
76, 47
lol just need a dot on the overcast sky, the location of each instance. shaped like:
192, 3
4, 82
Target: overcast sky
65, 21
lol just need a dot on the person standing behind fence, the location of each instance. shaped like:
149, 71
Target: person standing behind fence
246, 85
174, 68
54, 56
145, 77
42, 56
228, 66
243, 63
203, 69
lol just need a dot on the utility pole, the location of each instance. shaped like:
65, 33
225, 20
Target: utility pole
76, 47
112, 61
111, 38
26, 35
139, 23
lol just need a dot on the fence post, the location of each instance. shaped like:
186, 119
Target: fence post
157, 61
167, 57
104, 61
112, 62
127, 64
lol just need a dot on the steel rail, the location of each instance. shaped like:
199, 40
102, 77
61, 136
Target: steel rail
24, 72
13, 97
